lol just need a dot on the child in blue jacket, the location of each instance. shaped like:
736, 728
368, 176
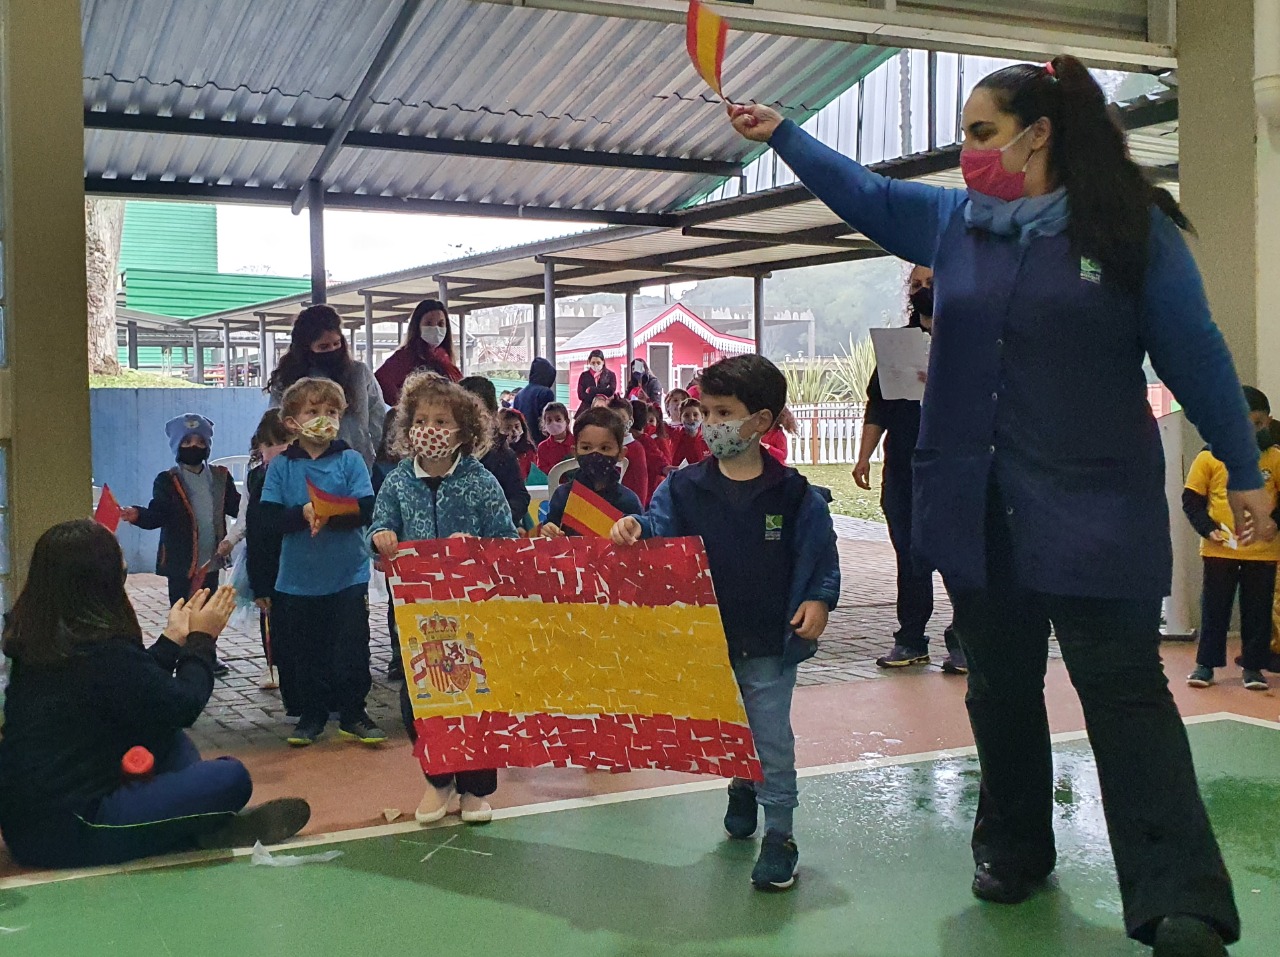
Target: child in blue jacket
441, 491
772, 552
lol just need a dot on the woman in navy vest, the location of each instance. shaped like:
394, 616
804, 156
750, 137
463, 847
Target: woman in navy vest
1039, 473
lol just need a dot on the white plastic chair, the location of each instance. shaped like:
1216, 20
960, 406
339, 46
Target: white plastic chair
237, 465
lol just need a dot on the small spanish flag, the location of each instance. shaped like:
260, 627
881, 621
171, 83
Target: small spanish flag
327, 506
588, 514
705, 35
107, 514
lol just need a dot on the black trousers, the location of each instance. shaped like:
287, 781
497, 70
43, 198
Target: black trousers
180, 587
915, 589
322, 646
480, 783
1256, 583
1167, 858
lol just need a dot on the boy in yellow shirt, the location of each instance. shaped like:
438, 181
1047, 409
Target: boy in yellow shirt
1230, 567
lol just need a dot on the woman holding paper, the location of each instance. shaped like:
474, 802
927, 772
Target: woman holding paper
897, 421
1039, 476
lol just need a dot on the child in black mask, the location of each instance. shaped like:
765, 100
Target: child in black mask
190, 504
598, 438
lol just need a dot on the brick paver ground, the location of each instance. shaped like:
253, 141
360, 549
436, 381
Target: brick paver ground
860, 630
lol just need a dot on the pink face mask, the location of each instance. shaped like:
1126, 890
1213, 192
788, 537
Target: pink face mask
984, 172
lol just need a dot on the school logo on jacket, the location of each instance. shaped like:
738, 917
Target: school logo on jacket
1090, 271
772, 528
443, 661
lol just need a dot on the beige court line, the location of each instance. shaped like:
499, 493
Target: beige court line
548, 807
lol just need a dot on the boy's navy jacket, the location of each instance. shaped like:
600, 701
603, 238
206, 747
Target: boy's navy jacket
171, 512
67, 727
784, 528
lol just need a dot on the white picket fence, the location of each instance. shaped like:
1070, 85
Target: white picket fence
827, 434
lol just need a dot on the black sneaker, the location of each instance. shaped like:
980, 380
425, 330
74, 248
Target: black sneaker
955, 663
743, 816
307, 731
271, 823
1006, 889
395, 670
220, 668
362, 729
776, 867
901, 656
1184, 936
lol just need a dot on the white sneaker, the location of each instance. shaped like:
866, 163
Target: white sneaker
434, 805
476, 810
269, 681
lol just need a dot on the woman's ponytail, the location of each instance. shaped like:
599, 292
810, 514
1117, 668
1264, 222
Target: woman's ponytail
1109, 196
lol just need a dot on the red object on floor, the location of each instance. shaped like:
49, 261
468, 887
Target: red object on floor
137, 762
107, 514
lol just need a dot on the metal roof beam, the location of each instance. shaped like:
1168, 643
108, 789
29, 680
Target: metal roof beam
270, 196
359, 102
826, 236
994, 33
701, 272
432, 145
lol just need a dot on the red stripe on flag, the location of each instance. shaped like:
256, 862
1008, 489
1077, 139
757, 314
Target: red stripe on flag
107, 514
613, 742
562, 571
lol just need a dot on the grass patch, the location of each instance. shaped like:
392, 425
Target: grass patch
133, 379
846, 497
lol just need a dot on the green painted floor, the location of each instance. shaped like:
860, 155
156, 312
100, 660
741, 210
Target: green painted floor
885, 874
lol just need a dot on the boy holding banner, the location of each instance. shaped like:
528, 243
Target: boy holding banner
772, 553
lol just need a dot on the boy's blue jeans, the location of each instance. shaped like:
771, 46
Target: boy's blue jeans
766, 685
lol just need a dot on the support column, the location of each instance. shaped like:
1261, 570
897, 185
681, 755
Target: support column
228, 355
629, 311
131, 343
197, 367
462, 343
368, 330
265, 351
549, 297
757, 315
534, 338
315, 217
44, 384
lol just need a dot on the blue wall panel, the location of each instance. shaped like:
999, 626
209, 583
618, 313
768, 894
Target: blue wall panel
130, 447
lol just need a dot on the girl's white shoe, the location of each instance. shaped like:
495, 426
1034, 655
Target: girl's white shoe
476, 810
434, 805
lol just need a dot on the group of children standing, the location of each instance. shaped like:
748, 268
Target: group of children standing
769, 539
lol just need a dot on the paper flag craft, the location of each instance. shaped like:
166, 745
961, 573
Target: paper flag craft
568, 652
705, 35
588, 514
327, 506
107, 514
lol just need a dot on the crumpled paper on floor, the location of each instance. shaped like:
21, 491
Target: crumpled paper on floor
262, 856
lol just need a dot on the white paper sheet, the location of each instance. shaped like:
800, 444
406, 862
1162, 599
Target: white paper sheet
902, 356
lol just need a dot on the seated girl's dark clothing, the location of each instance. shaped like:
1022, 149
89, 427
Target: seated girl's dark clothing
620, 497
262, 549
67, 726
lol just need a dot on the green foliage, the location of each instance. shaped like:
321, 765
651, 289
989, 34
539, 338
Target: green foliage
133, 379
842, 379
851, 371
808, 383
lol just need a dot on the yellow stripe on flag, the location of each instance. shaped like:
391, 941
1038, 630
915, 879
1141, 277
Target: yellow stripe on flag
588, 514
705, 35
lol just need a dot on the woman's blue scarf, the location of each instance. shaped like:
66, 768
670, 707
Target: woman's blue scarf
1026, 218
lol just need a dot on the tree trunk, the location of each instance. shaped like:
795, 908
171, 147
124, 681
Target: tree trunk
103, 225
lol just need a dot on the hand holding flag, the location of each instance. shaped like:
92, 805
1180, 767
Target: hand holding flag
108, 513
588, 514
324, 506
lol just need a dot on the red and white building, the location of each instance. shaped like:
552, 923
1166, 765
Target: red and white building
674, 340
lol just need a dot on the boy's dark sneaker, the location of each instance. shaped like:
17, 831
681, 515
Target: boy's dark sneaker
1184, 936
776, 867
955, 663
1255, 680
307, 731
220, 668
743, 816
1003, 889
1202, 677
271, 823
395, 670
901, 656
363, 730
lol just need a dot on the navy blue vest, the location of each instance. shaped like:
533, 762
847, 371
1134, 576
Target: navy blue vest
1036, 384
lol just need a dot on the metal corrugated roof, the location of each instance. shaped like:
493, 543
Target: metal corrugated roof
468, 71
183, 294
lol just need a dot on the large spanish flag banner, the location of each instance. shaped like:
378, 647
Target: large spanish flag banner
568, 652
705, 36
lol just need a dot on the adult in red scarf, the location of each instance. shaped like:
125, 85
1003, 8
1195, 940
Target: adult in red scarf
428, 347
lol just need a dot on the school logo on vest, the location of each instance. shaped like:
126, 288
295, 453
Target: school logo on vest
1090, 271
772, 528
443, 661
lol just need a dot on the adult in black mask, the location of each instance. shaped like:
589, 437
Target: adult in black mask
897, 421
318, 349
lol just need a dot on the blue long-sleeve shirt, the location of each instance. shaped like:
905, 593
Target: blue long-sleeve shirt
1036, 386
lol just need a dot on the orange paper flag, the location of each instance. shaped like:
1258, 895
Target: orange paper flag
327, 506
107, 514
587, 513
705, 35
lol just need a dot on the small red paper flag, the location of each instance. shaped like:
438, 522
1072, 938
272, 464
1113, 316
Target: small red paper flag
587, 513
107, 514
327, 505
705, 35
